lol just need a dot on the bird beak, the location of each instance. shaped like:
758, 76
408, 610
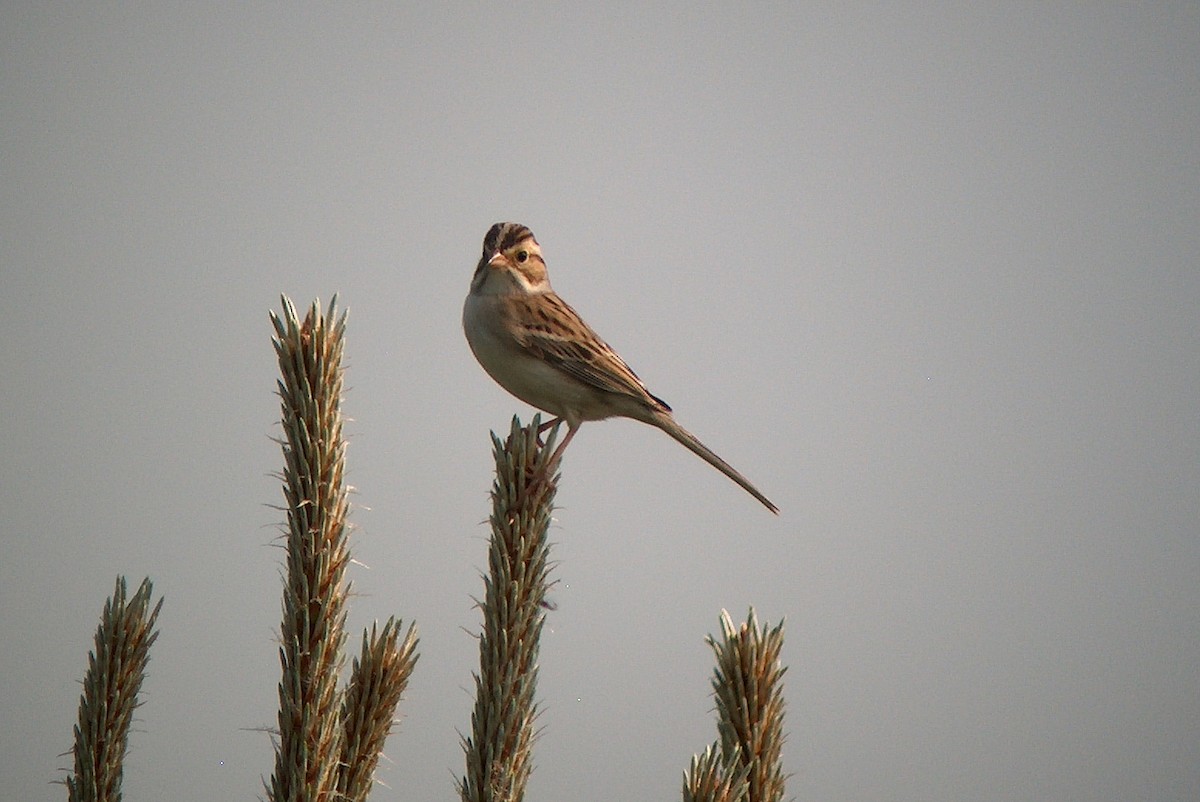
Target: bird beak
497, 260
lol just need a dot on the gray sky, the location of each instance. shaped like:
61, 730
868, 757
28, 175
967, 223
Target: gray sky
928, 277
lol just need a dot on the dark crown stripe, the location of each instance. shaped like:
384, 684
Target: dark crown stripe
513, 235
503, 236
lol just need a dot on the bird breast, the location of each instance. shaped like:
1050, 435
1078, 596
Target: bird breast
528, 377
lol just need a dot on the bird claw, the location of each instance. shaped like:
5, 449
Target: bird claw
544, 427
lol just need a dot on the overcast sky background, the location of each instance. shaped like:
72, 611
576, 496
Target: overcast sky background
929, 276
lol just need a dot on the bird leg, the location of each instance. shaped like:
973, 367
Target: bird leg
544, 427
557, 455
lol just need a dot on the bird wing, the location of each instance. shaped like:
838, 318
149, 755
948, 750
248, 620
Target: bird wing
551, 330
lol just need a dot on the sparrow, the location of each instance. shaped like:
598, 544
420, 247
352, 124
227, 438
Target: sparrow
539, 349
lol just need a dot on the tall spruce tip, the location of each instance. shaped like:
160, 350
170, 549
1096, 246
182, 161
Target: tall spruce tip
111, 693
747, 685
309, 748
498, 750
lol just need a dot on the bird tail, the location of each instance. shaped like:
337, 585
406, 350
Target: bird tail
667, 423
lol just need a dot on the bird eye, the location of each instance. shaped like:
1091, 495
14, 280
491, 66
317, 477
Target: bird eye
522, 256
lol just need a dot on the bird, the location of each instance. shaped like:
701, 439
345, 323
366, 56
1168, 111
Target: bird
535, 346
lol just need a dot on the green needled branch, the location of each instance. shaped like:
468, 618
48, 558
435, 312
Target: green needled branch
314, 597
377, 681
711, 779
116, 669
330, 740
499, 749
748, 688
